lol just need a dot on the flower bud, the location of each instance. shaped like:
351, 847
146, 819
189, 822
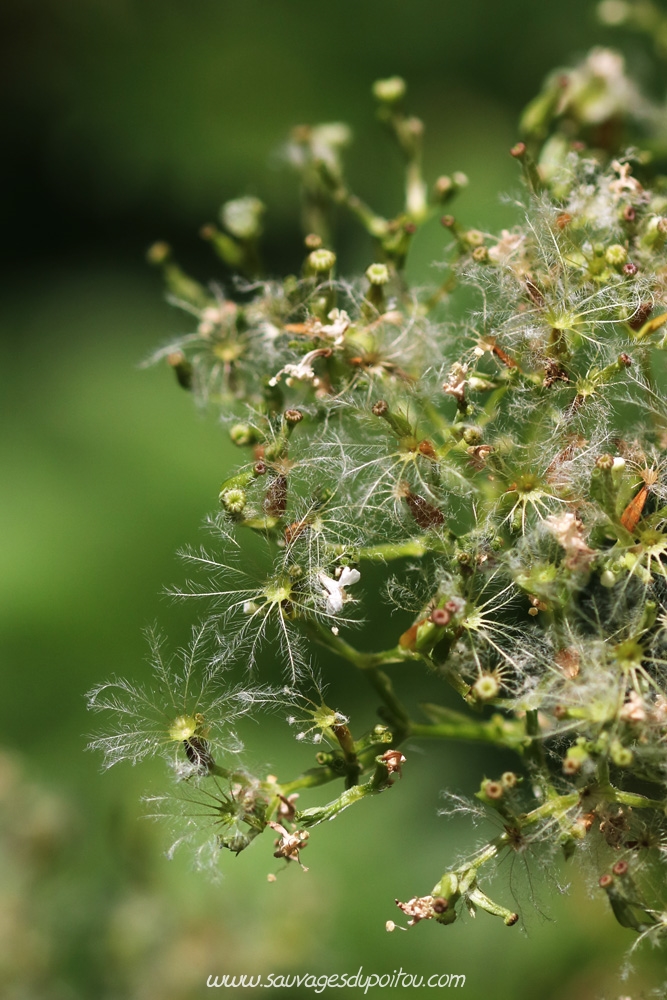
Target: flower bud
474, 238
182, 728
447, 887
575, 758
655, 230
321, 261
444, 188
389, 91
158, 253
613, 12
621, 756
493, 790
486, 687
233, 500
440, 617
378, 274
242, 434
615, 255
242, 217
182, 368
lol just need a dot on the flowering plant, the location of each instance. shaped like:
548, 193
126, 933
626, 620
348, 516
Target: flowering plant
504, 467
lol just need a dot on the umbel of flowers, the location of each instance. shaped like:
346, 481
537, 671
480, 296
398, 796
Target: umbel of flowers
505, 470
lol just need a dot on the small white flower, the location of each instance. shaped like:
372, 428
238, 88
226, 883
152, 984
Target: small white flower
269, 331
215, 317
506, 247
340, 322
625, 183
334, 590
302, 372
634, 709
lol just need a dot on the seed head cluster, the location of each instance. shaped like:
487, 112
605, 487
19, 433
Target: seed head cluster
504, 466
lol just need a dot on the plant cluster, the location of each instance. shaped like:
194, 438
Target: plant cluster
506, 468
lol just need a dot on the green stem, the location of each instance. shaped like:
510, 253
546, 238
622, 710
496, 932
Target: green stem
399, 718
415, 548
534, 752
216, 770
310, 779
376, 783
470, 730
612, 794
444, 289
364, 661
638, 801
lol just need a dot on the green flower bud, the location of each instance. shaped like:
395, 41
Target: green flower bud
234, 500
378, 274
615, 255
321, 261
486, 687
473, 435
621, 756
182, 728
613, 12
389, 91
242, 434
242, 217
474, 238
443, 188
575, 758
477, 384
447, 887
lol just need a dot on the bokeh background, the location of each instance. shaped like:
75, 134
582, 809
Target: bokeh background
125, 121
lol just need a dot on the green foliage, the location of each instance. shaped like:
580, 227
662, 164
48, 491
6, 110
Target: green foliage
504, 469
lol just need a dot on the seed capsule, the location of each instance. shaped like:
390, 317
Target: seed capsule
424, 513
198, 753
633, 512
275, 501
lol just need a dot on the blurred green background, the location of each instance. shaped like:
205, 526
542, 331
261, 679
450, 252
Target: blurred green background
126, 121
